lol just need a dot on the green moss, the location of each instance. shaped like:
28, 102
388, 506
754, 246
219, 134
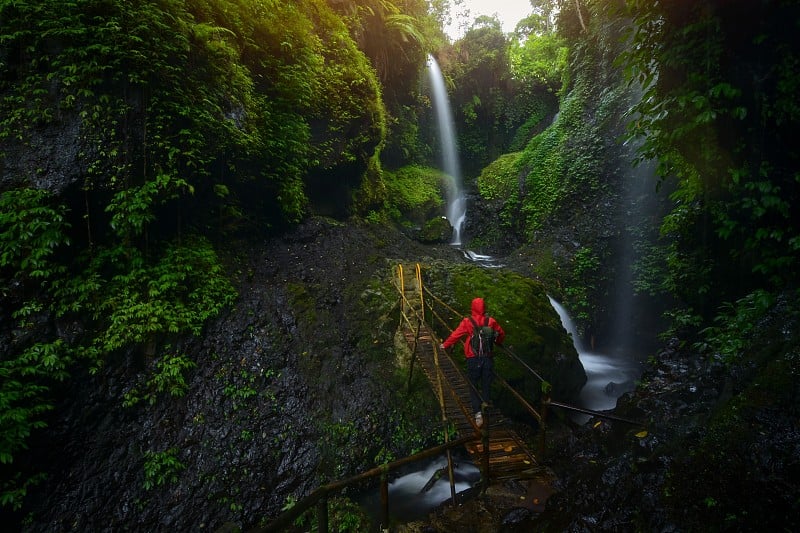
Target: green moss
513, 299
349, 101
436, 230
544, 162
414, 192
500, 180
302, 303
311, 318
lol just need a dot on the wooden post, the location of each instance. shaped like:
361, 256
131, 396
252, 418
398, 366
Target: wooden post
445, 423
543, 422
410, 374
485, 442
413, 357
384, 501
322, 514
451, 474
418, 272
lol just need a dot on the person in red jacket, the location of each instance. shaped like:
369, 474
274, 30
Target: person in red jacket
480, 368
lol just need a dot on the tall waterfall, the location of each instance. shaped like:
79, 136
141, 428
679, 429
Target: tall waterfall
456, 202
635, 317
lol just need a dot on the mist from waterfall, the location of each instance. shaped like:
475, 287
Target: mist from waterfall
613, 356
638, 225
456, 201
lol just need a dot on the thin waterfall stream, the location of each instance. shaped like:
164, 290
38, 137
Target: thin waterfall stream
456, 200
608, 376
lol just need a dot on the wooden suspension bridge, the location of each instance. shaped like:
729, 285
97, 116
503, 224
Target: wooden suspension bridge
508, 455
495, 447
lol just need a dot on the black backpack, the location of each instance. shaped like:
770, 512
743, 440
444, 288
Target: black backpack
482, 339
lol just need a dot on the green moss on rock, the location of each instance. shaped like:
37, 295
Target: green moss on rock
436, 230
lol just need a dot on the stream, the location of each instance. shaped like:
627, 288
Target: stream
408, 501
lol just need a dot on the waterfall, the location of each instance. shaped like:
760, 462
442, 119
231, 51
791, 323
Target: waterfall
566, 321
635, 316
456, 201
608, 377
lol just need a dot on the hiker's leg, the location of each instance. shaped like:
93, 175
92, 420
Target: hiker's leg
486, 379
474, 375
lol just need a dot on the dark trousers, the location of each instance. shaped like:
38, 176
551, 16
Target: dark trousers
480, 371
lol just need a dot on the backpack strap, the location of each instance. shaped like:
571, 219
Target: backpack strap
475, 324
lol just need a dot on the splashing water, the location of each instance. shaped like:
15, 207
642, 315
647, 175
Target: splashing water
407, 498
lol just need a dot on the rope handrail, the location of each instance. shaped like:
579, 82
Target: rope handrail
519, 398
596, 413
442, 303
517, 358
452, 392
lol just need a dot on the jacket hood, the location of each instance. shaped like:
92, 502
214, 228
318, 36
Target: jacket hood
478, 307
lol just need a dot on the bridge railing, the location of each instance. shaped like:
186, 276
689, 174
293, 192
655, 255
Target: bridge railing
415, 320
517, 395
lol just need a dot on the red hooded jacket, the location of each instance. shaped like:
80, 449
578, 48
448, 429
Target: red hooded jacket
465, 328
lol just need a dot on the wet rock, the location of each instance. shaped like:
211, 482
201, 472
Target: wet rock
436, 230
516, 516
618, 389
282, 366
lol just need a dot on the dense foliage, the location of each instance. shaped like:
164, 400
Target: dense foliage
696, 106
135, 135
499, 98
719, 113
555, 164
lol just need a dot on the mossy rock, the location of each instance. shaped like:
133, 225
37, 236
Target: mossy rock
436, 230
533, 329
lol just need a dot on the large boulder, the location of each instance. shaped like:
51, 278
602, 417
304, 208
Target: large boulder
436, 230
